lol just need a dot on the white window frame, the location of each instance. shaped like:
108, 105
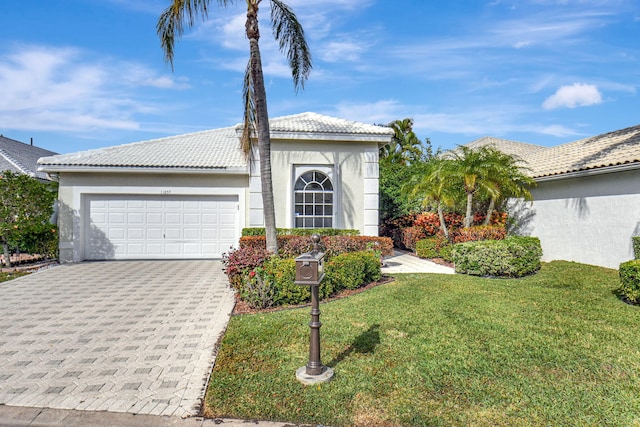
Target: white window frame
330, 172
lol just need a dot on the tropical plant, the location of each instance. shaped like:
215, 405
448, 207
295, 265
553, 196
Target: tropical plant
433, 185
404, 147
506, 178
26, 205
290, 36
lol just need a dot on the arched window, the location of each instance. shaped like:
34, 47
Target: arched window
313, 201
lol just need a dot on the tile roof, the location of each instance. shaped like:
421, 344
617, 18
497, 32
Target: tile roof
22, 158
215, 149
519, 149
616, 148
211, 149
318, 123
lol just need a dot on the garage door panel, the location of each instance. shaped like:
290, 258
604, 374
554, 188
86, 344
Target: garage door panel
136, 227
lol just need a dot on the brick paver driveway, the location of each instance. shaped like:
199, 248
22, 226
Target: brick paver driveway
131, 336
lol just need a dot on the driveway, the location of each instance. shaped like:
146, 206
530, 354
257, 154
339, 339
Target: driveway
126, 336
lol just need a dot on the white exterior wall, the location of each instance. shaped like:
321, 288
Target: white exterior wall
355, 169
588, 219
74, 187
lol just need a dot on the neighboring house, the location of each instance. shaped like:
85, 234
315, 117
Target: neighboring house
586, 203
189, 196
18, 157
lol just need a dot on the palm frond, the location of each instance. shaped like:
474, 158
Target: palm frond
291, 40
174, 19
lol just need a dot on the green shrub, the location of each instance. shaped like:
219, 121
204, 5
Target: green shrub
515, 256
432, 247
630, 280
259, 231
636, 246
352, 270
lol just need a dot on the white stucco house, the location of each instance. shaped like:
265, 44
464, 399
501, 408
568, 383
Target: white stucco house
586, 205
189, 196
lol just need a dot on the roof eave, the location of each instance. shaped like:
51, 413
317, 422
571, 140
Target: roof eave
142, 169
589, 172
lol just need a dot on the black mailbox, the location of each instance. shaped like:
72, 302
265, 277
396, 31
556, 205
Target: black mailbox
310, 265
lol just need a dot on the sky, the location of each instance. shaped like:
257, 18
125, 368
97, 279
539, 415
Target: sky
83, 74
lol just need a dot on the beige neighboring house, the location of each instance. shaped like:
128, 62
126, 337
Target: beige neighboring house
586, 204
189, 196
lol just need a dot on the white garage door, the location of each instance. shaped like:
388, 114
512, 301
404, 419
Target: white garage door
160, 227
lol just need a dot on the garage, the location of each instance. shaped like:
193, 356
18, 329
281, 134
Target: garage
159, 226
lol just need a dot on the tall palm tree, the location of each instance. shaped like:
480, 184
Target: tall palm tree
290, 37
472, 166
508, 179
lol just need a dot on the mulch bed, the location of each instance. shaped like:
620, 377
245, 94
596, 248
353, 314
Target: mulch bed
243, 308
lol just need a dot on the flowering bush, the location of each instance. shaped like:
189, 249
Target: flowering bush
241, 262
292, 246
410, 235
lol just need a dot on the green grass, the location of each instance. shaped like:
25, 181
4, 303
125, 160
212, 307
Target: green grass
10, 276
555, 349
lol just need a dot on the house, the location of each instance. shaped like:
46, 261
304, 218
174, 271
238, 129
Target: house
189, 196
586, 205
18, 157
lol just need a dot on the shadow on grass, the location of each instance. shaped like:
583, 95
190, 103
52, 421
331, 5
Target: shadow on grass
365, 343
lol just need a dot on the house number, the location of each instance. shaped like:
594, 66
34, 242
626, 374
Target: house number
165, 192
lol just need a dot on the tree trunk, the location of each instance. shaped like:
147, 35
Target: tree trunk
262, 118
468, 219
443, 225
7, 255
492, 205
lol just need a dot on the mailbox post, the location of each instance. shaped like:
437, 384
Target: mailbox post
310, 272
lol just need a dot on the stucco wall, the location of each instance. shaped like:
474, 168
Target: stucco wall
75, 186
355, 168
590, 219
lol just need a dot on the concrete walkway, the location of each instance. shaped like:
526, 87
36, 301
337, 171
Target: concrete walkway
403, 262
135, 336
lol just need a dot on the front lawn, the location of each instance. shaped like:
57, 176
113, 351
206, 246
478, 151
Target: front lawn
10, 276
556, 348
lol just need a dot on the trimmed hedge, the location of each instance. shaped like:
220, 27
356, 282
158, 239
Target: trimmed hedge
433, 247
636, 246
479, 232
259, 231
292, 246
273, 283
630, 280
515, 256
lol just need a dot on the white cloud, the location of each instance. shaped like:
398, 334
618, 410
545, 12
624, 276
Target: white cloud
340, 51
49, 88
558, 131
575, 95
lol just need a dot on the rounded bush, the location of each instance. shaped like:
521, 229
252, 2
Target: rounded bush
630, 280
515, 256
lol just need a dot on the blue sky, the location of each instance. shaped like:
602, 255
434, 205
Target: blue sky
83, 74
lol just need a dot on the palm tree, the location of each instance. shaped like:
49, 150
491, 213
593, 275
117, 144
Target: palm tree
404, 147
508, 179
290, 36
433, 184
472, 166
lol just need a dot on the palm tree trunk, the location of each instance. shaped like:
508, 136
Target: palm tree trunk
492, 205
468, 219
262, 118
443, 225
7, 255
